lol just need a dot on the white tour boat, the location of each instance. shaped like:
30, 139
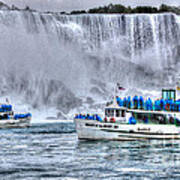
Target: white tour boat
133, 119
10, 120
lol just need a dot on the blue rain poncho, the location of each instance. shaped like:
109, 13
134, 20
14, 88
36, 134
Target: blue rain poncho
129, 104
21, 116
149, 104
141, 102
132, 120
135, 101
98, 118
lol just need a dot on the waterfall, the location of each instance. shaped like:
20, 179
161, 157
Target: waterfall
60, 60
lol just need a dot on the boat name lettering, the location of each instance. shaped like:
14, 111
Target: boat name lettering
143, 129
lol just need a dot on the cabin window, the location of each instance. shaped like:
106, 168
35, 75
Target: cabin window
169, 94
107, 126
171, 120
123, 113
117, 113
115, 127
108, 112
87, 124
112, 112
165, 94
172, 95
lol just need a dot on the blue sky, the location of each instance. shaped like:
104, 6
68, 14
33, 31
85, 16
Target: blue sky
69, 5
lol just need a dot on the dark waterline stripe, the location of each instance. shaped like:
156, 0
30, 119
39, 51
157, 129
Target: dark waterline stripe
132, 132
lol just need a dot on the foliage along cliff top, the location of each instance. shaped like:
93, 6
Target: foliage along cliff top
109, 9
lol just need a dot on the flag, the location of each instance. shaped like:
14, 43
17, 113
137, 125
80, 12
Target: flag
120, 87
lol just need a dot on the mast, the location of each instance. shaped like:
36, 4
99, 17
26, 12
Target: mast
178, 87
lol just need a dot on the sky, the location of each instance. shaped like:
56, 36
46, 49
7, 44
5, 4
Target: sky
69, 5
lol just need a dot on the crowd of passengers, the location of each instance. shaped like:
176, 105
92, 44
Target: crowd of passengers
89, 117
147, 104
6, 110
5, 107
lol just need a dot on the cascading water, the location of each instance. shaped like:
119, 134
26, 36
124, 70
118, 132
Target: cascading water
65, 61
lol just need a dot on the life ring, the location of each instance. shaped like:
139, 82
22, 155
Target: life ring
113, 120
167, 107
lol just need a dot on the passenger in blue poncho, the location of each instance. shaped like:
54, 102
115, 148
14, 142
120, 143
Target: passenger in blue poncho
135, 102
76, 116
124, 102
141, 102
146, 120
132, 120
162, 104
157, 105
98, 118
129, 102
118, 99
150, 104
87, 116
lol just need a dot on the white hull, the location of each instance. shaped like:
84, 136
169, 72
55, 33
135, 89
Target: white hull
11, 123
94, 130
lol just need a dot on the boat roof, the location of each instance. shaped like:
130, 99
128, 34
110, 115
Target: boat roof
115, 106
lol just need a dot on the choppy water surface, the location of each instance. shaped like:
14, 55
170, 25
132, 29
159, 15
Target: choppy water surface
52, 151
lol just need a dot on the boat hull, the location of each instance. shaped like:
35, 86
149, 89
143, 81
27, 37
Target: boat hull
94, 130
12, 123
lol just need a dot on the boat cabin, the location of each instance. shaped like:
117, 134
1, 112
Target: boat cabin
169, 94
114, 113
